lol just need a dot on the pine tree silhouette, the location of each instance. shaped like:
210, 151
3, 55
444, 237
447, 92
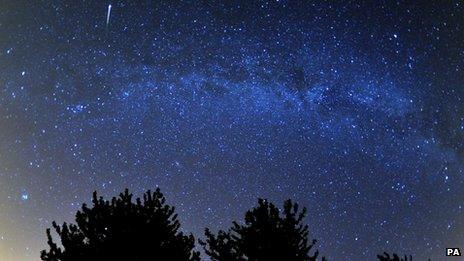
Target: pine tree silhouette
122, 230
268, 234
386, 257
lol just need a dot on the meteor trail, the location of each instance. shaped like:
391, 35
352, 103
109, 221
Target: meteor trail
108, 15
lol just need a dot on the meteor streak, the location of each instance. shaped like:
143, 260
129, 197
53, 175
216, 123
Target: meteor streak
108, 14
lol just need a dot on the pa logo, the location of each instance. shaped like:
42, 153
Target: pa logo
453, 252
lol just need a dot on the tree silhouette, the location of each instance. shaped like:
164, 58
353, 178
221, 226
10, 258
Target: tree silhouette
122, 230
386, 257
268, 234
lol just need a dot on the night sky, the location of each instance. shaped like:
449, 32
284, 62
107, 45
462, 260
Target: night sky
355, 110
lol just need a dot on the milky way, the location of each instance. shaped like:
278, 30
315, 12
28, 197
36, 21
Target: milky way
354, 110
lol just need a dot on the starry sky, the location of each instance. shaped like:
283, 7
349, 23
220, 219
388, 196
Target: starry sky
354, 109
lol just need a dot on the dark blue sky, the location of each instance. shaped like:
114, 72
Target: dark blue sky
354, 109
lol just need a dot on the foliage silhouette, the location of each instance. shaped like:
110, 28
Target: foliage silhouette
268, 234
122, 230
386, 257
